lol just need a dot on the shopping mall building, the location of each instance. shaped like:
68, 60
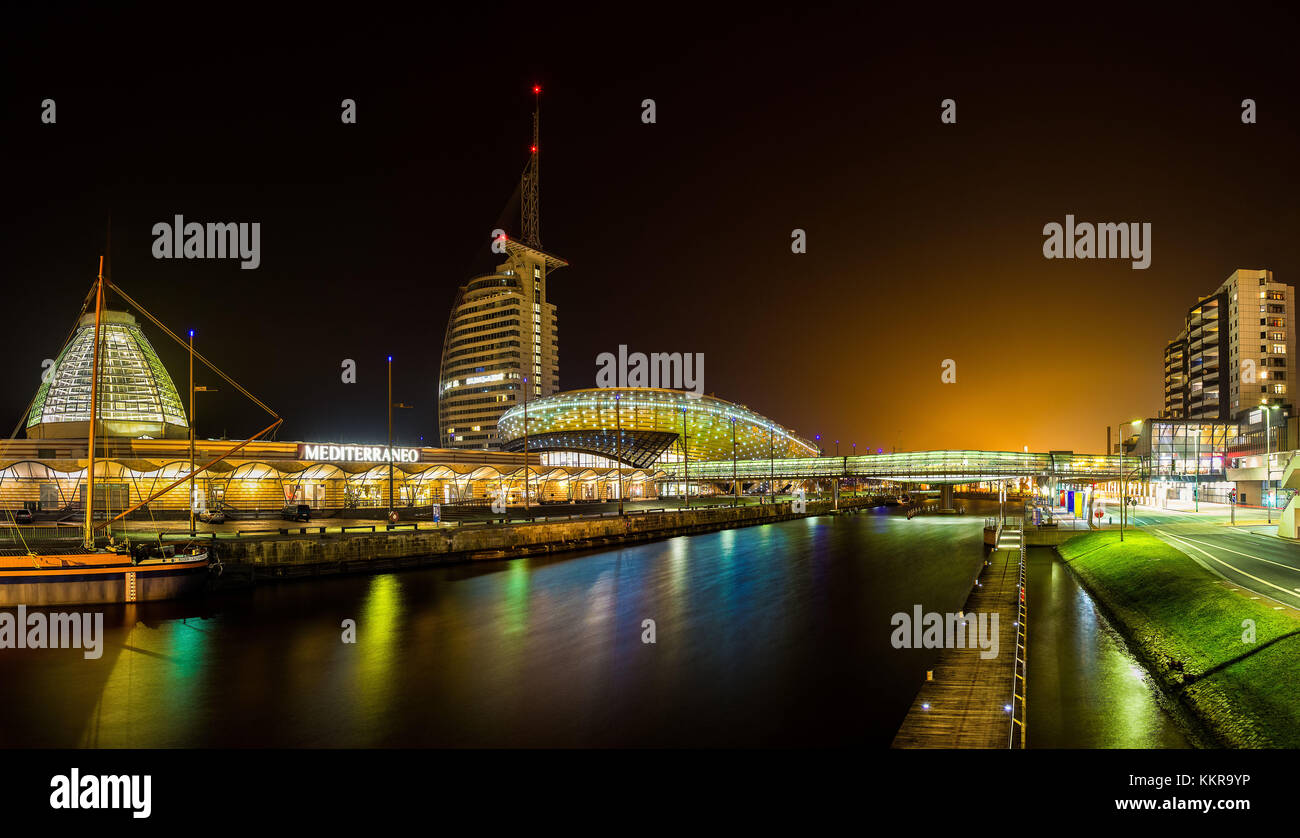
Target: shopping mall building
643, 427
1215, 461
143, 446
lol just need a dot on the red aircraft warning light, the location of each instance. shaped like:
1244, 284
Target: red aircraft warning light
537, 88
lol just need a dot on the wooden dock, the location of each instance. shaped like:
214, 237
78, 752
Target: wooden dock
966, 704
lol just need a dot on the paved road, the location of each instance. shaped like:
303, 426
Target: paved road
1248, 555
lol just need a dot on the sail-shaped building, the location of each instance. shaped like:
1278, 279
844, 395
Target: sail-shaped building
502, 335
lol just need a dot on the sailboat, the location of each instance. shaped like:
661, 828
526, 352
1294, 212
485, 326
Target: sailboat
91, 573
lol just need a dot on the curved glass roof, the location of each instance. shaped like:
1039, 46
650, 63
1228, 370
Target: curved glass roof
708, 423
135, 392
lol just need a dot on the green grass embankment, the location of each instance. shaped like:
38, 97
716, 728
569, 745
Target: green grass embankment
1188, 625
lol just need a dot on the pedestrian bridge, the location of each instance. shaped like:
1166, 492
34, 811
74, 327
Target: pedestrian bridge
920, 467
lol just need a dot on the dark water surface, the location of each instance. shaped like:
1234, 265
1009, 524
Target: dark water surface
1085, 689
776, 634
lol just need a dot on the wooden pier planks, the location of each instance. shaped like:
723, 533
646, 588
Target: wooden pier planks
968, 696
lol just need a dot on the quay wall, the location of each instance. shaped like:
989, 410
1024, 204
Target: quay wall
254, 559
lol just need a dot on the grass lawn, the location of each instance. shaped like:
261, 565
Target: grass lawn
1188, 625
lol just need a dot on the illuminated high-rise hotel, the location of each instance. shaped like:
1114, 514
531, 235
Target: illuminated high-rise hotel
502, 332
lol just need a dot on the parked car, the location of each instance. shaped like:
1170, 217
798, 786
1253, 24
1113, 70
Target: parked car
296, 512
23, 516
212, 516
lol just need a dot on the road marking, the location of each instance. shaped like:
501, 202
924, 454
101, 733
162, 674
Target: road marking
1232, 567
1247, 555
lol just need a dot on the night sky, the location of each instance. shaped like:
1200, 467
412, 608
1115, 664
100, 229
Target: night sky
924, 240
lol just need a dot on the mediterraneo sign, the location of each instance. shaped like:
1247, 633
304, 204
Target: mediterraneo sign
358, 453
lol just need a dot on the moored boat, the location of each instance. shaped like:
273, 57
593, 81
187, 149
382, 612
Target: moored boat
76, 576
96, 571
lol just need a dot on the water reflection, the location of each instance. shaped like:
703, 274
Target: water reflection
767, 635
1085, 689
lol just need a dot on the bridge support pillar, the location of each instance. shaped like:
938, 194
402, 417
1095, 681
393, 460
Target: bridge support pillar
945, 496
835, 490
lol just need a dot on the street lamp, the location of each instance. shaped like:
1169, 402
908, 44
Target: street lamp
735, 487
526, 504
389, 452
392, 509
1196, 486
686, 464
1123, 495
771, 454
193, 390
618, 464
1268, 457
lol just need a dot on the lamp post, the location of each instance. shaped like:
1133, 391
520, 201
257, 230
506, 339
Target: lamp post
1196, 490
618, 421
193, 390
771, 458
820, 453
835, 487
192, 533
686, 464
1268, 458
389, 451
1123, 495
526, 505
735, 486
392, 508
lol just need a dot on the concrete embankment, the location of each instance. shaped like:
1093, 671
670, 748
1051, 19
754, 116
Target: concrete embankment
255, 559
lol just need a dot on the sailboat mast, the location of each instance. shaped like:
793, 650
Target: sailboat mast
191, 423
89, 539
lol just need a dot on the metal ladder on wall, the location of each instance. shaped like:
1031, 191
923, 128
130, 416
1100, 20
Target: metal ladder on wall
1018, 683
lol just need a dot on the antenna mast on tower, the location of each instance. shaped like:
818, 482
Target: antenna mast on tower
529, 206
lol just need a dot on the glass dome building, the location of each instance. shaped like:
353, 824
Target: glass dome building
653, 422
136, 395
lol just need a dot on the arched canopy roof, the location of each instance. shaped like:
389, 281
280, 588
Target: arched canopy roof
639, 424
